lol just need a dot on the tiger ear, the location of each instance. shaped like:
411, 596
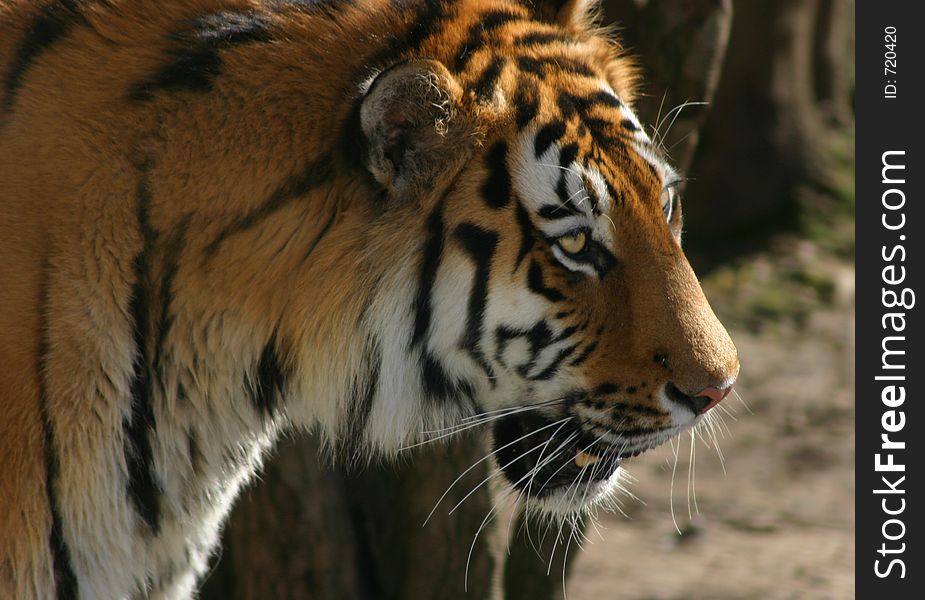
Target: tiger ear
415, 138
577, 16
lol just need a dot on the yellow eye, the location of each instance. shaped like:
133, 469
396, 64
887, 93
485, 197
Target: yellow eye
573, 243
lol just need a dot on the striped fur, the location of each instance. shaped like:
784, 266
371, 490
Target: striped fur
204, 240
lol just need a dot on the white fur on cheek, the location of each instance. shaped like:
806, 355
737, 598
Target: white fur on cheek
396, 411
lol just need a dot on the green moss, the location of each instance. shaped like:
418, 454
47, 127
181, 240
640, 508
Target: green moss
820, 283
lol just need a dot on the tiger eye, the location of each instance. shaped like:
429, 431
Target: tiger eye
573, 243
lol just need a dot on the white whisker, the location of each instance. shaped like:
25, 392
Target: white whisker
484, 458
676, 111
742, 401
658, 116
501, 470
453, 430
510, 408
674, 469
472, 547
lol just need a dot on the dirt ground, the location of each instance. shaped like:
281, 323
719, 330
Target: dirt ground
778, 521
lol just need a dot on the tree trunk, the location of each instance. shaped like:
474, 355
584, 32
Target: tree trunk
680, 46
779, 121
314, 531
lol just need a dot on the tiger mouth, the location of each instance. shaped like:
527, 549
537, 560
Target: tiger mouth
540, 456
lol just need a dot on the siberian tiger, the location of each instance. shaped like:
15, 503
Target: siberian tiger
221, 218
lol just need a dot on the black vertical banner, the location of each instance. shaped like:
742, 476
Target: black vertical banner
890, 367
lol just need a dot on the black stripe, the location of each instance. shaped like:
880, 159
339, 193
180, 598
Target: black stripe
620, 407
266, 389
364, 393
546, 8
485, 85
539, 337
470, 47
480, 244
570, 104
476, 38
606, 98
567, 332
540, 66
192, 71
567, 155
526, 101
583, 356
537, 286
602, 259
503, 335
628, 124
543, 38
196, 459
547, 136
497, 188
601, 132
642, 431
165, 322
425, 19
140, 424
227, 28
618, 198
439, 386
553, 367
316, 174
593, 198
327, 8
324, 231
605, 389
583, 105
527, 238
551, 212
65, 578
606, 135
196, 60
51, 25
494, 19
531, 65
430, 261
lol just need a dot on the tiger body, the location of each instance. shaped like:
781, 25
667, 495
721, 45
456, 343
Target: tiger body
222, 218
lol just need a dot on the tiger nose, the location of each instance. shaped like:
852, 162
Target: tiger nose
700, 402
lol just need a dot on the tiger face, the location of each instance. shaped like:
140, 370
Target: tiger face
553, 297
596, 322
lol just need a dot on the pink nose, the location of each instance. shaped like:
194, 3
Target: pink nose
710, 397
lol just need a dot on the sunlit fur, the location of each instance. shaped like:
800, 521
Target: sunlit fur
222, 218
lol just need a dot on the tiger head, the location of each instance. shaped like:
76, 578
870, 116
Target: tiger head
553, 296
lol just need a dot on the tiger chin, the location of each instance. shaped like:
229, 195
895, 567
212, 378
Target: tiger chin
223, 218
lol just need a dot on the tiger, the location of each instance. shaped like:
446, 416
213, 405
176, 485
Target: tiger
221, 220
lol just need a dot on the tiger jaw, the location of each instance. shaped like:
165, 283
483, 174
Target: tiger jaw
557, 463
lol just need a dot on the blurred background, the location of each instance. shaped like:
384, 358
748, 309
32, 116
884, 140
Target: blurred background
753, 99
